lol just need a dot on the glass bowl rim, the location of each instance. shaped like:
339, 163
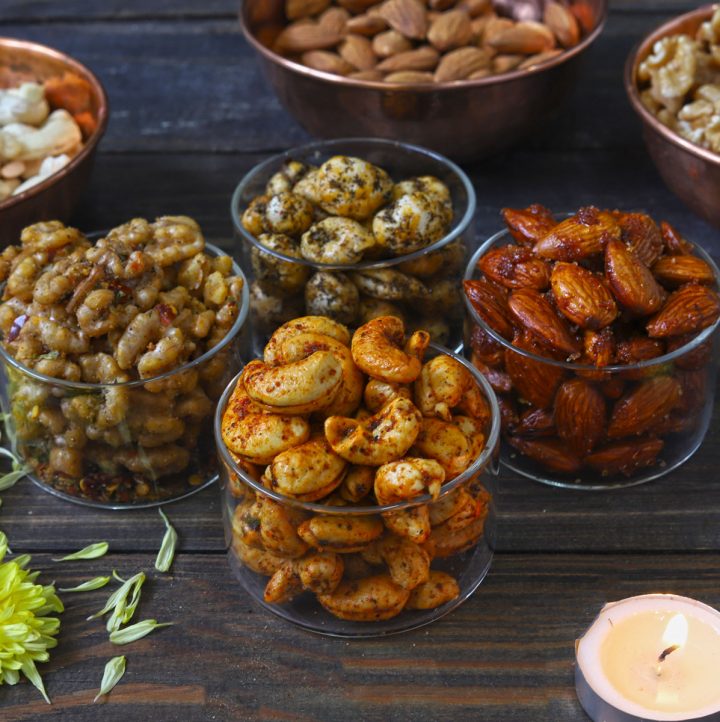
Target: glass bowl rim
424, 88
476, 467
486, 245
645, 47
262, 170
87, 386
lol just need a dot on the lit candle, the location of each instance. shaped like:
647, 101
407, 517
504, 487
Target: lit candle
654, 657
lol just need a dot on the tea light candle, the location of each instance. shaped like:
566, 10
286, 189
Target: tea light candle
653, 657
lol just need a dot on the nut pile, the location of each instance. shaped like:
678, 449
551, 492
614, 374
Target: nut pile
35, 140
141, 302
412, 41
345, 211
680, 83
355, 421
600, 288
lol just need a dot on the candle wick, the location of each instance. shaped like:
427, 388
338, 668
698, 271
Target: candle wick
668, 651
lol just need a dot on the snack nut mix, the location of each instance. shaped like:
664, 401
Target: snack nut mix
412, 41
680, 83
143, 301
344, 212
344, 421
599, 288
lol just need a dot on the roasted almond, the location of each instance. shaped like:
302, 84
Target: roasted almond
422, 58
642, 408
580, 415
334, 20
563, 24
508, 414
478, 74
303, 36
525, 38
410, 77
625, 457
675, 243
638, 348
406, 16
296, 9
390, 42
641, 235
440, 5
688, 310
584, 14
505, 63
474, 8
452, 29
326, 62
490, 302
494, 27
536, 422
366, 24
536, 314
460, 64
533, 381
582, 297
551, 453
538, 59
485, 347
694, 359
528, 225
357, 50
499, 380
599, 351
694, 390
677, 270
357, 6
631, 281
582, 235
374, 75
515, 267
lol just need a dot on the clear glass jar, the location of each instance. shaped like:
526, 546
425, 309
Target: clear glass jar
530, 446
122, 467
438, 267
253, 565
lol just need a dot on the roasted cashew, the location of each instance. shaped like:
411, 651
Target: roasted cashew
446, 540
408, 478
413, 221
357, 484
439, 589
413, 523
378, 393
256, 435
456, 502
387, 284
336, 240
446, 443
374, 441
407, 562
274, 354
298, 387
442, 385
320, 572
308, 471
377, 348
278, 527
371, 599
340, 533
259, 560
474, 430
283, 585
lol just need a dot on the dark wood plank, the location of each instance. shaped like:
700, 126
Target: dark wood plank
506, 655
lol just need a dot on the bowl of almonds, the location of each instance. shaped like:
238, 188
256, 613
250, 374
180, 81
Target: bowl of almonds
463, 77
598, 334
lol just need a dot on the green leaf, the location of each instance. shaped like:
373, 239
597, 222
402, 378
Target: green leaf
114, 670
12, 477
90, 552
87, 586
136, 631
118, 596
167, 548
134, 600
30, 671
22, 560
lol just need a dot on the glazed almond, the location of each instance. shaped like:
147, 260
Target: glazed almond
582, 297
644, 407
580, 415
582, 235
632, 283
677, 270
688, 310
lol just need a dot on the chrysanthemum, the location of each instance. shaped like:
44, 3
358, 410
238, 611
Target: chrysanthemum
26, 633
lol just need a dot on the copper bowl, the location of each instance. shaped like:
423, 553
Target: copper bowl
56, 197
463, 120
690, 171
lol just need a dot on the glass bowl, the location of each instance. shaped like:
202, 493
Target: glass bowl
438, 266
239, 489
119, 472
666, 442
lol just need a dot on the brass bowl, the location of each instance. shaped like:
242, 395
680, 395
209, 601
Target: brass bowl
463, 120
56, 196
690, 171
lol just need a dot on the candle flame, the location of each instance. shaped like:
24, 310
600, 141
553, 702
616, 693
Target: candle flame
676, 632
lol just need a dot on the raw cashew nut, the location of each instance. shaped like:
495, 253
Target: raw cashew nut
57, 135
439, 589
442, 385
308, 471
299, 387
371, 599
446, 443
339, 533
408, 478
258, 436
374, 441
408, 563
377, 348
274, 354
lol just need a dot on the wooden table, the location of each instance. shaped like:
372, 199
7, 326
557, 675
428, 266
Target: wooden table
190, 115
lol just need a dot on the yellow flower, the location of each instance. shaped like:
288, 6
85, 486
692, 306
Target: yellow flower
26, 632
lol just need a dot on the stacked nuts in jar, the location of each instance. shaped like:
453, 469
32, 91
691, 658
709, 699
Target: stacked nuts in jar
417, 41
584, 314
348, 422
